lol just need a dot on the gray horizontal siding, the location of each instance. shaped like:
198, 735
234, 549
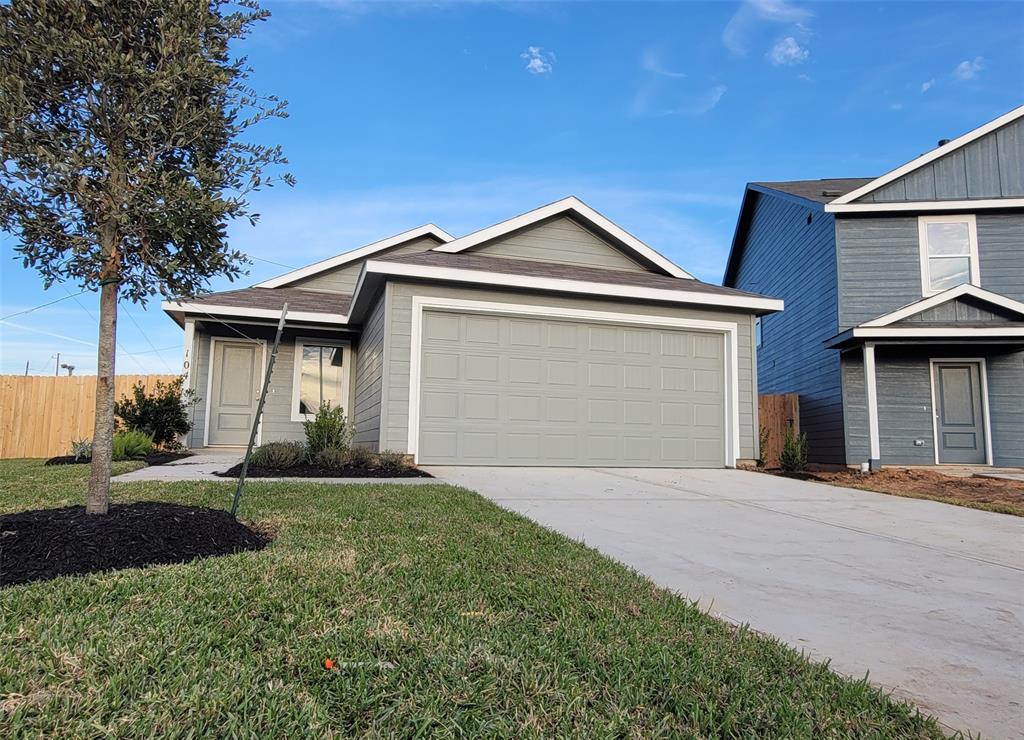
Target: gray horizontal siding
880, 262
785, 257
200, 375
990, 167
395, 406
343, 279
562, 241
1006, 405
1001, 253
905, 412
904, 408
369, 377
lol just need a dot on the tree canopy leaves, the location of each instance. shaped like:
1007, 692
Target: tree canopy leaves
122, 123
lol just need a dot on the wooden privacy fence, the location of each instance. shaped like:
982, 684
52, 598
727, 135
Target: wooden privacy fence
776, 412
40, 415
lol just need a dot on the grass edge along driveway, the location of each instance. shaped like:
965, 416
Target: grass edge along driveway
445, 614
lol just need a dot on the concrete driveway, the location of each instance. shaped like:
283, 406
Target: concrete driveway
927, 597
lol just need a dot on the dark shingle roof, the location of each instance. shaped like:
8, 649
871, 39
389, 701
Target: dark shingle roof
816, 189
299, 299
530, 268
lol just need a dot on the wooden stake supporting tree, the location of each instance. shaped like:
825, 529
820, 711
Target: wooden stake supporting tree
120, 133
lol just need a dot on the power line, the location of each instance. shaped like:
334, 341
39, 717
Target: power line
271, 262
93, 318
36, 308
148, 341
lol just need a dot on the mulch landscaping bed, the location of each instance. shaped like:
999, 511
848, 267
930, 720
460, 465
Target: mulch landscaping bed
993, 494
307, 470
153, 458
46, 543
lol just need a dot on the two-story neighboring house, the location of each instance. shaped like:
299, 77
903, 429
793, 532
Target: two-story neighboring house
904, 324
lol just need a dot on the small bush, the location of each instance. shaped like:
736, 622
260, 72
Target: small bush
391, 461
331, 457
81, 449
793, 458
132, 445
360, 457
162, 414
278, 455
329, 428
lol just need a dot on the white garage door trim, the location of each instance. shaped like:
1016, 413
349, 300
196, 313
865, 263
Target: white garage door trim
728, 329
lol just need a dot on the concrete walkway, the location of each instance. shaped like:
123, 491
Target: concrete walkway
202, 466
927, 597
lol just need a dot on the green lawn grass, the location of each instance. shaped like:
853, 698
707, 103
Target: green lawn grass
447, 615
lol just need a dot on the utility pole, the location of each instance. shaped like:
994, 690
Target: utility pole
56, 369
26, 367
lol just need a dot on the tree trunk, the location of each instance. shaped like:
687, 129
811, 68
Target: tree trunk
98, 499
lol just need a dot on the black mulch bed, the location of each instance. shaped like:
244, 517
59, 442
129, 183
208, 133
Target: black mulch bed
153, 458
307, 470
43, 544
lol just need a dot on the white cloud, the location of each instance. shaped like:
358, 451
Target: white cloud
709, 100
538, 61
751, 13
927, 85
788, 52
654, 100
651, 63
969, 68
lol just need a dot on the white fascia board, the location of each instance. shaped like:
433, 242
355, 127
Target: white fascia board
357, 254
928, 157
982, 204
569, 286
939, 298
245, 312
936, 332
581, 210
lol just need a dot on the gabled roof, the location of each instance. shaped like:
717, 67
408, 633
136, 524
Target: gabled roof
961, 291
574, 207
266, 303
928, 157
427, 230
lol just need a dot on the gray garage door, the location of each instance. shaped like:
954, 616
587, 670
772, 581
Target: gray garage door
498, 390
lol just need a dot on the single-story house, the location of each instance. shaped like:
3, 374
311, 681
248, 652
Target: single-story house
553, 338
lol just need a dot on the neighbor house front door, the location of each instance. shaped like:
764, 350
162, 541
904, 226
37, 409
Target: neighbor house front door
959, 420
234, 392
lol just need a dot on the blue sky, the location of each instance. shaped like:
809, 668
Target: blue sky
656, 114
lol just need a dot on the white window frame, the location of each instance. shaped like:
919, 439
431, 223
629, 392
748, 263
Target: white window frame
922, 238
758, 332
346, 372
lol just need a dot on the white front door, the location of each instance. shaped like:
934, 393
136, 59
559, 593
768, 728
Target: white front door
234, 392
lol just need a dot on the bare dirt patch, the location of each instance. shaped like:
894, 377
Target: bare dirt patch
991, 494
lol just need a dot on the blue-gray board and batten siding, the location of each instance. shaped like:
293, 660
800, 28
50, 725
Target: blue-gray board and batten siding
793, 357
989, 167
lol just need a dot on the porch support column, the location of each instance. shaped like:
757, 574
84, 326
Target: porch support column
871, 391
187, 362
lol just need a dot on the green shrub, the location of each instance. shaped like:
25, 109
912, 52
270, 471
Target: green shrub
278, 455
163, 414
391, 461
329, 428
132, 445
360, 457
793, 458
331, 457
81, 449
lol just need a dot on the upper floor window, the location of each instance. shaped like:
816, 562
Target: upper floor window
949, 252
758, 336
321, 374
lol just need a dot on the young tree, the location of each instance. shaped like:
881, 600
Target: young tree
121, 138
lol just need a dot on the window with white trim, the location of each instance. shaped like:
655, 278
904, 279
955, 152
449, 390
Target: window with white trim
321, 374
949, 252
758, 336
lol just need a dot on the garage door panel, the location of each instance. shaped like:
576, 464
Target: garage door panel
585, 394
